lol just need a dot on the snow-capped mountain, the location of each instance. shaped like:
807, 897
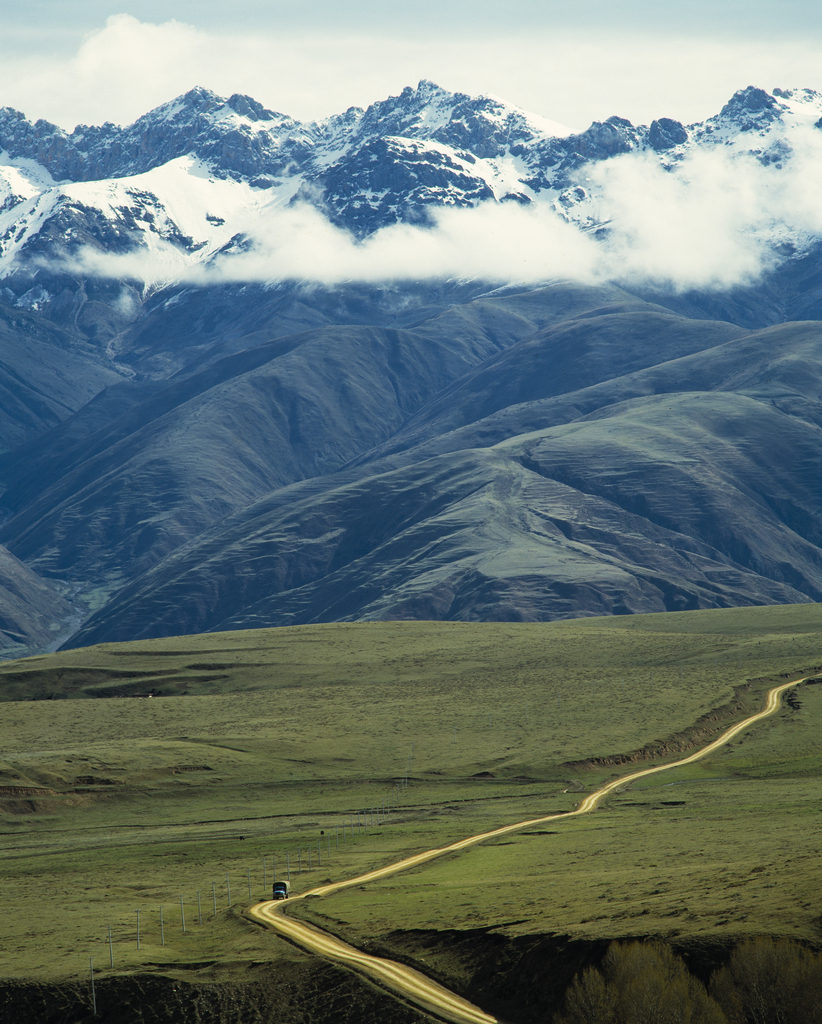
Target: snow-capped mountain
189, 181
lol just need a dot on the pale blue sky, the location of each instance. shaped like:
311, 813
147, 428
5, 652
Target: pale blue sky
736, 17
92, 60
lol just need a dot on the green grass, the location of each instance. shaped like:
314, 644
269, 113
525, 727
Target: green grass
290, 731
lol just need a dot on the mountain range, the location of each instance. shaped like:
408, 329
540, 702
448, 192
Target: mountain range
204, 427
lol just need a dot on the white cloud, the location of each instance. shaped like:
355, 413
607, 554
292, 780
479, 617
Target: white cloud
712, 221
707, 223
490, 242
118, 73
572, 74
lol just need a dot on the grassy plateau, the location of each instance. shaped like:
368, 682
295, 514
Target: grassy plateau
132, 775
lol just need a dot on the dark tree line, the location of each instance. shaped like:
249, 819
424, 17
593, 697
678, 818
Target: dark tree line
766, 981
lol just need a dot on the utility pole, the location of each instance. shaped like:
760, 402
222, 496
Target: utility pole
214, 896
182, 913
199, 909
110, 948
138, 929
228, 890
93, 994
162, 929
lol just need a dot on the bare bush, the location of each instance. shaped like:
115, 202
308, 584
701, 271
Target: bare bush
641, 983
770, 981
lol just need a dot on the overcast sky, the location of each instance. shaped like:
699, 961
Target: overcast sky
86, 61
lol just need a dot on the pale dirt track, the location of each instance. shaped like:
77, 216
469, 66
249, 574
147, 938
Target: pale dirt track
410, 984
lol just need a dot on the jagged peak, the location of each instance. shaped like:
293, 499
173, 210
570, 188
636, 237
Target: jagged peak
426, 86
12, 113
253, 110
420, 96
197, 100
751, 100
200, 96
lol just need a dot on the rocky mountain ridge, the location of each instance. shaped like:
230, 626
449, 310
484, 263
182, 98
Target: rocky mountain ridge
240, 138
396, 161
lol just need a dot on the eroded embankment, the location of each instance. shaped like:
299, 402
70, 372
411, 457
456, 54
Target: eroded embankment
288, 993
521, 980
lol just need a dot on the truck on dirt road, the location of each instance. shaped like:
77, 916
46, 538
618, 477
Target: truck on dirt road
281, 890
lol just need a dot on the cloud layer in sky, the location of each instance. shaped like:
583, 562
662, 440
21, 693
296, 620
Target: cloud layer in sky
571, 69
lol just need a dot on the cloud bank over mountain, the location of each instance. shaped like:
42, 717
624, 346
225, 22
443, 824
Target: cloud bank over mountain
709, 221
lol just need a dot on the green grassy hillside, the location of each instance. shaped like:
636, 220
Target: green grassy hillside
258, 744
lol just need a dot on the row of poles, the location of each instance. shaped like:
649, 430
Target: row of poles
304, 859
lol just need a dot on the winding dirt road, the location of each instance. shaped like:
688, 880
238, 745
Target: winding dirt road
405, 981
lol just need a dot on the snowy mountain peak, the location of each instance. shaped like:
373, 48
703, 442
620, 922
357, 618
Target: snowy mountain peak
432, 112
196, 101
750, 108
252, 110
200, 107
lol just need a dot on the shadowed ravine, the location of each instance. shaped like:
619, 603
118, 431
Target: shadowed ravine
405, 981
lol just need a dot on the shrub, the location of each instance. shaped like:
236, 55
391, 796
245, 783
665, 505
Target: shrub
770, 981
641, 983
589, 1000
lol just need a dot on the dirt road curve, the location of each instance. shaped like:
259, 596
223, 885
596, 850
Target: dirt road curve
415, 987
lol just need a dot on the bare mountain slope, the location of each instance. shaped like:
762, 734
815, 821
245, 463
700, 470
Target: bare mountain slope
686, 494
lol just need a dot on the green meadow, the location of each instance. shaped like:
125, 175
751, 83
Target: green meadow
134, 774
